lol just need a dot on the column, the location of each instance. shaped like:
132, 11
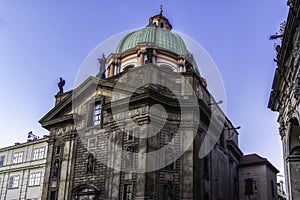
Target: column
111, 69
67, 164
142, 58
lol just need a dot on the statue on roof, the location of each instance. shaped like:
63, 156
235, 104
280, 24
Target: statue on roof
61, 85
102, 62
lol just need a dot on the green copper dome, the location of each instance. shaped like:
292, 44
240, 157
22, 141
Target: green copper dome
160, 37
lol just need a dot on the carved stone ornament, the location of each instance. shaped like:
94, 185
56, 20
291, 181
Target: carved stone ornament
282, 128
296, 88
290, 3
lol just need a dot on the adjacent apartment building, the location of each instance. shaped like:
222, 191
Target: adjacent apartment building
22, 168
257, 178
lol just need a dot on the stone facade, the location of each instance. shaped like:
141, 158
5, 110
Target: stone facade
22, 170
284, 98
137, 134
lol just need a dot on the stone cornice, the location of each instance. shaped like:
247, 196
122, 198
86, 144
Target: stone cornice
286, 50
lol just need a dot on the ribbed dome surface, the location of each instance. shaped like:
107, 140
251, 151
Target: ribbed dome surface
163, 38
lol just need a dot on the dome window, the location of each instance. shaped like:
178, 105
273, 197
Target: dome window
127, 68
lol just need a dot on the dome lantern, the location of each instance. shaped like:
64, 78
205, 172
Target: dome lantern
160, 20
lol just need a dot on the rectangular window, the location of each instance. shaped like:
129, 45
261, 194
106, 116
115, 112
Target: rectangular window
53, 195
249, 186
13, 182
222, 142
272, 188
130, 135
58, 150
127, 192
97, 114
206, 167
38, 153
35, 179
92, 143
2, 160
17, 158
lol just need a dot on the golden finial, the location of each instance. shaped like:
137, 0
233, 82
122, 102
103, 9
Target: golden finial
161, 9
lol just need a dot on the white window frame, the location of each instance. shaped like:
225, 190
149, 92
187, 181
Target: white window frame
96, 118
35, 179
18, 157
3, 158
13, 182
39, 153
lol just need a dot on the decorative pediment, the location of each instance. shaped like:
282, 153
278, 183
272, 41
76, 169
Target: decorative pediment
63, 111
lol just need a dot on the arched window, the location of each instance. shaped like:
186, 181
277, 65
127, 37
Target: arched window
294, 138
86, 191
90, 163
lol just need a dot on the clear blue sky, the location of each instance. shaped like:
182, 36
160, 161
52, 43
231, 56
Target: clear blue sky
41, 41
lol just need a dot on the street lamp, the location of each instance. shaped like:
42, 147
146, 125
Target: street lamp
215, 103
233, 128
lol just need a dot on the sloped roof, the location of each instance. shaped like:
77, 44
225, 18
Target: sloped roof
254, 159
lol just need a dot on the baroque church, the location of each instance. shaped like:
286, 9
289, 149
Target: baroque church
144, 127
285, 95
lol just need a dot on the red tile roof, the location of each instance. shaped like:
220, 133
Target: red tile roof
254, 159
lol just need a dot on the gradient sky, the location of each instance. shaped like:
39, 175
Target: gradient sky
41, 41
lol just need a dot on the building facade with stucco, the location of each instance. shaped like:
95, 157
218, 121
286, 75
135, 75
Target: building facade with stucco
257, 178
22, 170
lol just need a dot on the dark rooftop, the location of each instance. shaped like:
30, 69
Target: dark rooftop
254, 159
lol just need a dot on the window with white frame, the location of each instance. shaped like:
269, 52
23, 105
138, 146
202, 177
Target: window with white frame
38, 153
96, 114
35, 179
18, 157
2, 160
13, 182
